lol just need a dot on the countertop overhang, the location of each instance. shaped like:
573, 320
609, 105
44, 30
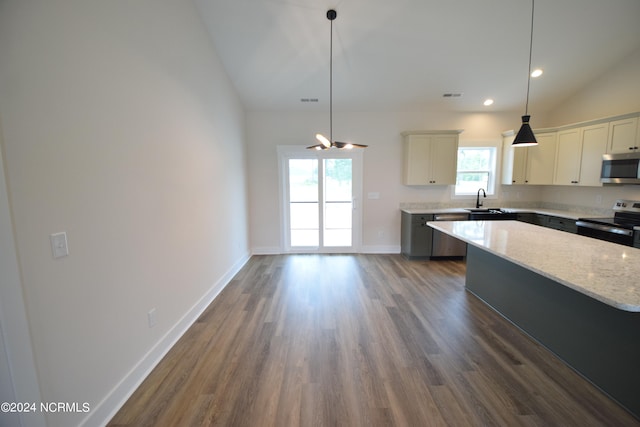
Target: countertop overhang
607, 272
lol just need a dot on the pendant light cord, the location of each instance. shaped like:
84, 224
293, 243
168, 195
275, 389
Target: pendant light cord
331, 84
526, 107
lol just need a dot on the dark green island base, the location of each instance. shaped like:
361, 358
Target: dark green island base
600, 342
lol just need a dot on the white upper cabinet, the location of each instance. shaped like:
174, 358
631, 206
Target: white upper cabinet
430, 157
529, 165
579, 155
624, 135
570, 154
594, 145
513, 160
568, 157
541, 159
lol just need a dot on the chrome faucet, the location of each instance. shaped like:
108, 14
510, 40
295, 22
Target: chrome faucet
478, 202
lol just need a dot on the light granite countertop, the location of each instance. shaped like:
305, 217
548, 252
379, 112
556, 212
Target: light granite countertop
551, 212
606, 271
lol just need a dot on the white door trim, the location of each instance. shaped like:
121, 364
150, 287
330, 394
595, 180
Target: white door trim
14, 326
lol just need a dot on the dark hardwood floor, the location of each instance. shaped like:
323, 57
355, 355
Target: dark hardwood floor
360, 340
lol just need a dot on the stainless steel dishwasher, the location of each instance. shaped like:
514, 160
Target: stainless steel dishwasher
444, 245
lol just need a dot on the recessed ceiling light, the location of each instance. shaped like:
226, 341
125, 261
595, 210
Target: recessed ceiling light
488, 102
536, 73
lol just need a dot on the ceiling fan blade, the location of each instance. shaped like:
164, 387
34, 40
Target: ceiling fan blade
316, 147
347, 145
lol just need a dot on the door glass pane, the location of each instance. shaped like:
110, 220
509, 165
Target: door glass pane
337, 238
337, 215
303, 180
338, 206
338, 180
304, 202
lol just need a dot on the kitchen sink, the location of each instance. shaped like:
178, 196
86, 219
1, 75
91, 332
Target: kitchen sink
485, 210
490, 214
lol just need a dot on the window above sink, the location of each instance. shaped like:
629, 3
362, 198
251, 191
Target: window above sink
476, 169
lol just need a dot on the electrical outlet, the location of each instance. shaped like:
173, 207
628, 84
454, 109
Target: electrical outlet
59, 247
599, 199
151, 317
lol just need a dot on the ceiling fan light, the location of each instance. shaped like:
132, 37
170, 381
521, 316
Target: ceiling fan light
525, 136
323, 140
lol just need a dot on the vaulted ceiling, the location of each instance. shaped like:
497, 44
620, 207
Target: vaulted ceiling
403, 55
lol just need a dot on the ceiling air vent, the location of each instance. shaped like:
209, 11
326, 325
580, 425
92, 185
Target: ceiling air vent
308, 99
452, 95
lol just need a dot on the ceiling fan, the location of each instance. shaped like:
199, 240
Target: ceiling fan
326, 143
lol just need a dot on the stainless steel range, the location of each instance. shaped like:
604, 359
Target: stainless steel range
619, 229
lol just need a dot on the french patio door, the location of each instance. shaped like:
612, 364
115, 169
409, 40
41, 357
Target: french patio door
321, 197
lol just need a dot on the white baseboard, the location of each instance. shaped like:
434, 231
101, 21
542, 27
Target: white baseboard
392, 249
102, 413
267, 250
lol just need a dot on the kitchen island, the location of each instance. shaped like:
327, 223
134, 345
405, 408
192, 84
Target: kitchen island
577, 296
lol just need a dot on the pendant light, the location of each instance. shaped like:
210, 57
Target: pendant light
525, 136
326, 143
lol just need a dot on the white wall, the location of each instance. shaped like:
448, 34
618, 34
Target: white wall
382, 165
615, 92
597, 201
120, 128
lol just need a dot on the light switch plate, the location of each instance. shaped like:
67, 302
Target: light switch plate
59, 246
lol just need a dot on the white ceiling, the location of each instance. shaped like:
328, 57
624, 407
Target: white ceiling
403, 55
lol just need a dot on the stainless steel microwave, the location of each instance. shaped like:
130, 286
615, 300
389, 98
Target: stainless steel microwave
620, 168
